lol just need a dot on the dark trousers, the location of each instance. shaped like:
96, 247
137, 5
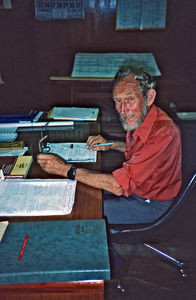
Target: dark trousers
133, 209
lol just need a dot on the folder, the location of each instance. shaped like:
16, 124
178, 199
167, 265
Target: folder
74, 113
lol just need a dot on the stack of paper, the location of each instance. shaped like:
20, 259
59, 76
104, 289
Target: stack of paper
9, 136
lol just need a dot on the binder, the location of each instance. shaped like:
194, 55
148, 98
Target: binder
54, 251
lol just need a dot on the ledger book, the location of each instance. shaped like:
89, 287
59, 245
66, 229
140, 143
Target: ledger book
54, 251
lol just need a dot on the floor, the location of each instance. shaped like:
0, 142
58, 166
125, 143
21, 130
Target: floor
149, 276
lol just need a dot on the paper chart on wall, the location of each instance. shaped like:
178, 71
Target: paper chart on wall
144, 14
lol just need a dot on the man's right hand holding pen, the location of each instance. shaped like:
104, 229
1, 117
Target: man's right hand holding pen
53, 164
99, 143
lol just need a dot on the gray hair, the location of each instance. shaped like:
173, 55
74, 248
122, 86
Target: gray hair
146, 80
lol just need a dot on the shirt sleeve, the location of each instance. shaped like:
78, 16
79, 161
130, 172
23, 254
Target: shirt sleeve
152, 166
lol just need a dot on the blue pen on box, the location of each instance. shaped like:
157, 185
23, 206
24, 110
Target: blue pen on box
105, 144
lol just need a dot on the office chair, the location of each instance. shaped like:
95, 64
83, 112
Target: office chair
151, 233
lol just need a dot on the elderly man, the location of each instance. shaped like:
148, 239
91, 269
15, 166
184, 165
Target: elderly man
151, 174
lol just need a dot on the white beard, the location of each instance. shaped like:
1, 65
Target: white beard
132, 128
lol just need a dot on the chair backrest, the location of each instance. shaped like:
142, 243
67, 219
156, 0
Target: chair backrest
150, 232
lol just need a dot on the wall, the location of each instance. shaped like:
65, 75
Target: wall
32, 50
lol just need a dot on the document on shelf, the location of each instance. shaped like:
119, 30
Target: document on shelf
105, 65
74, 113
14, 152
36, 197
72, 152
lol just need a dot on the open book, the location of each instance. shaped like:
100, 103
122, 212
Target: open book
36, 197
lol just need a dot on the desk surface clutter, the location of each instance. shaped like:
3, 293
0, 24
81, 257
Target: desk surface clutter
54, 250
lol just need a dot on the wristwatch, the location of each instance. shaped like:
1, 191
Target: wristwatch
72, 172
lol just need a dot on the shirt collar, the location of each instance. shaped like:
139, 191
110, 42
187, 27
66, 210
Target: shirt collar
143, 131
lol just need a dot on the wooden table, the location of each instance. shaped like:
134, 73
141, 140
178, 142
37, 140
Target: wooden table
88, 205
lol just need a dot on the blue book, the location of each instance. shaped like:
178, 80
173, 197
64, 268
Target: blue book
54, 251
32, 116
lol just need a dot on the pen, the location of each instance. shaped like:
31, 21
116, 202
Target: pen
99, 145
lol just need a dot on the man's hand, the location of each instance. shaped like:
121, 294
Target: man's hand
53, 164
98, 139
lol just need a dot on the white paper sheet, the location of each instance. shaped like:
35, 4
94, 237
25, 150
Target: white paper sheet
73, 152
36, 197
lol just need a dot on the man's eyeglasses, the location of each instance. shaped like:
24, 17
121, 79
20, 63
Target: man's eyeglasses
42, 148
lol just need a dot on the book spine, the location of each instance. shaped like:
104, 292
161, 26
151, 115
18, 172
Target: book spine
47, 276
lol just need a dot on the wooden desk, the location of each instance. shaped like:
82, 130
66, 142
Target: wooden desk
88, 205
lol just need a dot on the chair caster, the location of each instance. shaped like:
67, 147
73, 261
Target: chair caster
120, 287
182, 271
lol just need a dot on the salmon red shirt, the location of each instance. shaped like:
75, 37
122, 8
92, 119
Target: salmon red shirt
152, 167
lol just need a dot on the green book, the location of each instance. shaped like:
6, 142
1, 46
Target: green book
54, 251
16, 145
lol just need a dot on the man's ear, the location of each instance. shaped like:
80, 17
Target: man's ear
151, 94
